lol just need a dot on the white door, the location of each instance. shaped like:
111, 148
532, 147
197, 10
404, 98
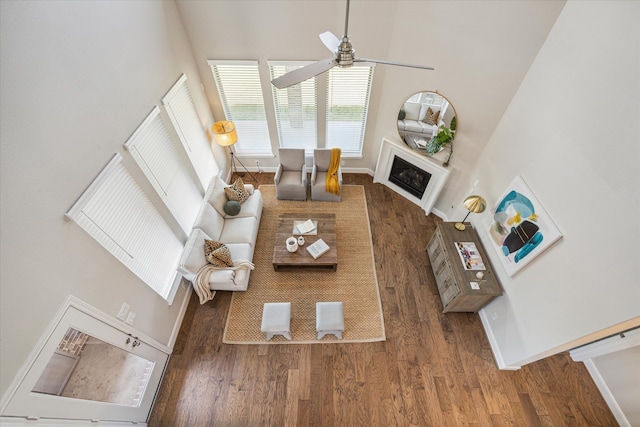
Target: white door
114, 376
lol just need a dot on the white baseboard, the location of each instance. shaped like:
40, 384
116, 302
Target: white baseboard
183, 309
606, 393
494, 344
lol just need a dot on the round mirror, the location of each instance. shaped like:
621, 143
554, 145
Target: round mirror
427, 123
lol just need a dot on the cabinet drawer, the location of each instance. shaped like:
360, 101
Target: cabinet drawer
439, 264
434, 247
449, 294
444, 278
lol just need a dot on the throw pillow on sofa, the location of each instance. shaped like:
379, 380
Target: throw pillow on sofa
237, 191
232, 208
217, 253
432, 117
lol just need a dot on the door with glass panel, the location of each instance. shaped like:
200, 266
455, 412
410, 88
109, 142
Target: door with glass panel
90, 370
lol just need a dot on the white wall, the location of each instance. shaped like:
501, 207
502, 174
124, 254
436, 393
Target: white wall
573, 132
76, 80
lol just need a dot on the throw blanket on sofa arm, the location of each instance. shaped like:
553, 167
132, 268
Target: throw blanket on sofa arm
332, 184
201, 281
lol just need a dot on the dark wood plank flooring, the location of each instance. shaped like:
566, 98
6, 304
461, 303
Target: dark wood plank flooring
434, 369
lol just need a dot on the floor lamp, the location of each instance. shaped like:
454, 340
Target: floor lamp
225, 135
475, 204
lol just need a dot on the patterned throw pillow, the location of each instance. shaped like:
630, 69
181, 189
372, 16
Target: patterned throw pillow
217, 253
237, 191
431, 118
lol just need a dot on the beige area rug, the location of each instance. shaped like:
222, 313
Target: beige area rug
354, 283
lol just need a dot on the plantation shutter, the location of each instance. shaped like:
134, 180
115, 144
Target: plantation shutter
348, 94
186, 121
296, 109
240, 91
115, 211
157, 154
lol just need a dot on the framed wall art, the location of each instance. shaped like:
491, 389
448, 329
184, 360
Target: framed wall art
520, 229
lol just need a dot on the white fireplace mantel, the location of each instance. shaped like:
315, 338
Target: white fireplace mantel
439, 174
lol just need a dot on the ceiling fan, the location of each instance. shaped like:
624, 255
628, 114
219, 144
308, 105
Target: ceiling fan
343, 58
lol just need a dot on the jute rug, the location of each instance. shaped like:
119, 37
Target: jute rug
354, 283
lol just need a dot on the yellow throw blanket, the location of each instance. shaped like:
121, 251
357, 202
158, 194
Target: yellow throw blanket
201, 281
332, 185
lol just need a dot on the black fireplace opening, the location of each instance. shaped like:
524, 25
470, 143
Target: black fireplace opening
409, 177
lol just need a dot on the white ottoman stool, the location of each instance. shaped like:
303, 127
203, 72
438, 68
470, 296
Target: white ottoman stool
329, 319
276, 319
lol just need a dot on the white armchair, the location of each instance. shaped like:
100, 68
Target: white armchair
291, 177
321, 162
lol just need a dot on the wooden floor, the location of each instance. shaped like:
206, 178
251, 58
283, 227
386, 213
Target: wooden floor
433, 369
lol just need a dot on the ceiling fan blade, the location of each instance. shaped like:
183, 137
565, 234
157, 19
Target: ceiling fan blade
330, 41
304, 73
400, 64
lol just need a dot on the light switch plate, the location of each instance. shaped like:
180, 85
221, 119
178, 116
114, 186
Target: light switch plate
122, 314
130, 318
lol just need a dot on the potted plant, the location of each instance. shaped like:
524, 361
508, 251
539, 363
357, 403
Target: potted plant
444, 136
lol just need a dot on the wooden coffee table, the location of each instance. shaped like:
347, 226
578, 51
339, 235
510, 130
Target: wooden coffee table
282, 258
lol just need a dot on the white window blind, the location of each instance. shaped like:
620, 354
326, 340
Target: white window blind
296, 109
240, 91
186, 121
348, 94
115, 211
156, 152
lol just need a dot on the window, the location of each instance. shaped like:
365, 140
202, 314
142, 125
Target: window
348, 93
115, 211
299, 120
158, 156
295, 108
186, 121
240, 91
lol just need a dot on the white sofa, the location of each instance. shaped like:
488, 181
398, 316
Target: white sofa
413, 123
238, 233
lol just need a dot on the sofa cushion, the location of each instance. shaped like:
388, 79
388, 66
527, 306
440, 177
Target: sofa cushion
239, 230
412, 110
215, 194
236, 191
240, 278
413, 126
210, 221
193, 258
217, 253
253, 206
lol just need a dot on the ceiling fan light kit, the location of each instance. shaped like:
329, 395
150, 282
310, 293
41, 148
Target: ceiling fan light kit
344, 57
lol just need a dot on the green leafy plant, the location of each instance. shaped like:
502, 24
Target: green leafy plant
444, 137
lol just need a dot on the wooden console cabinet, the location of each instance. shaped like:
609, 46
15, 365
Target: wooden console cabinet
453, 280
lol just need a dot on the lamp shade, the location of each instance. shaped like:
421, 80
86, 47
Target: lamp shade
475, 204
224, 133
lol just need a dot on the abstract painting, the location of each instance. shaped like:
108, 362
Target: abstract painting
520, 229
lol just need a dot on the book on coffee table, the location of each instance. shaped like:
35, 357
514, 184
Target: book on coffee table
308, 227
317, 248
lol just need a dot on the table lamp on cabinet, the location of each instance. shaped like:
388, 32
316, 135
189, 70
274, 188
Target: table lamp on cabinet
475, 204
